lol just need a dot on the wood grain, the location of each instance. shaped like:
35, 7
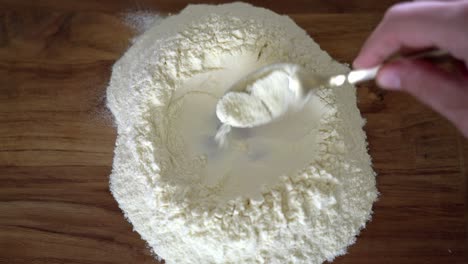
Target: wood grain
112, 6
56, 139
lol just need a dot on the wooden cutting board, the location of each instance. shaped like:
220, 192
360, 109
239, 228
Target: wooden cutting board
57, 139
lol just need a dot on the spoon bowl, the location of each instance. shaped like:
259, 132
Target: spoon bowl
301, 83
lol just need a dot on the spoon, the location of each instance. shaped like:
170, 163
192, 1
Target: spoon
302, 83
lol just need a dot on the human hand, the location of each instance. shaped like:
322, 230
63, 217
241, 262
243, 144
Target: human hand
421, 25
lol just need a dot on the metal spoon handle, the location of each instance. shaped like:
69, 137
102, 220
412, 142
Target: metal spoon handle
357, 76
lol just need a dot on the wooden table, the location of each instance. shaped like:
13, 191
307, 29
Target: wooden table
57, 139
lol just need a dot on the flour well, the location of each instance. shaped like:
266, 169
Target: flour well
294, 191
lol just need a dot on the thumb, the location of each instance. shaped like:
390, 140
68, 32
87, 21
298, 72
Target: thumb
445, 92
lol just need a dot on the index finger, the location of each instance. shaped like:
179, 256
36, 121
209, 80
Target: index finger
416, 25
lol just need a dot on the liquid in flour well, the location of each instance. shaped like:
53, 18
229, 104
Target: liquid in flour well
250, 157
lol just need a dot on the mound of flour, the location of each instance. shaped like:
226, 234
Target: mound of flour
297, 191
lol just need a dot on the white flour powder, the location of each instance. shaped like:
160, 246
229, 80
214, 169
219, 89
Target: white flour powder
140, 21
296, 191
264, 100
240, 109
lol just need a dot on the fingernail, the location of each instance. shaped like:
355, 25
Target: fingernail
389, 79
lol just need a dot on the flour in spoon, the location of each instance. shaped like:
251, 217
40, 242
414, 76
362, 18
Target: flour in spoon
240, 109
264, 100
294, 191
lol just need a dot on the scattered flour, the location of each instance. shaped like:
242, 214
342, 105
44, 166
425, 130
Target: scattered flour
141, 21
296, 191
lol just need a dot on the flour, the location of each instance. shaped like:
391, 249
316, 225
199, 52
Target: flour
221, 135
140, 21
240, 109
262, 101
294, 191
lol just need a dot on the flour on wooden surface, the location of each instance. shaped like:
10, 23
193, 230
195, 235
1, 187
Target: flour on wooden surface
294, 192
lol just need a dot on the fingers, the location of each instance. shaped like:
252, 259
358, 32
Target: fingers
445, 92
417, 25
